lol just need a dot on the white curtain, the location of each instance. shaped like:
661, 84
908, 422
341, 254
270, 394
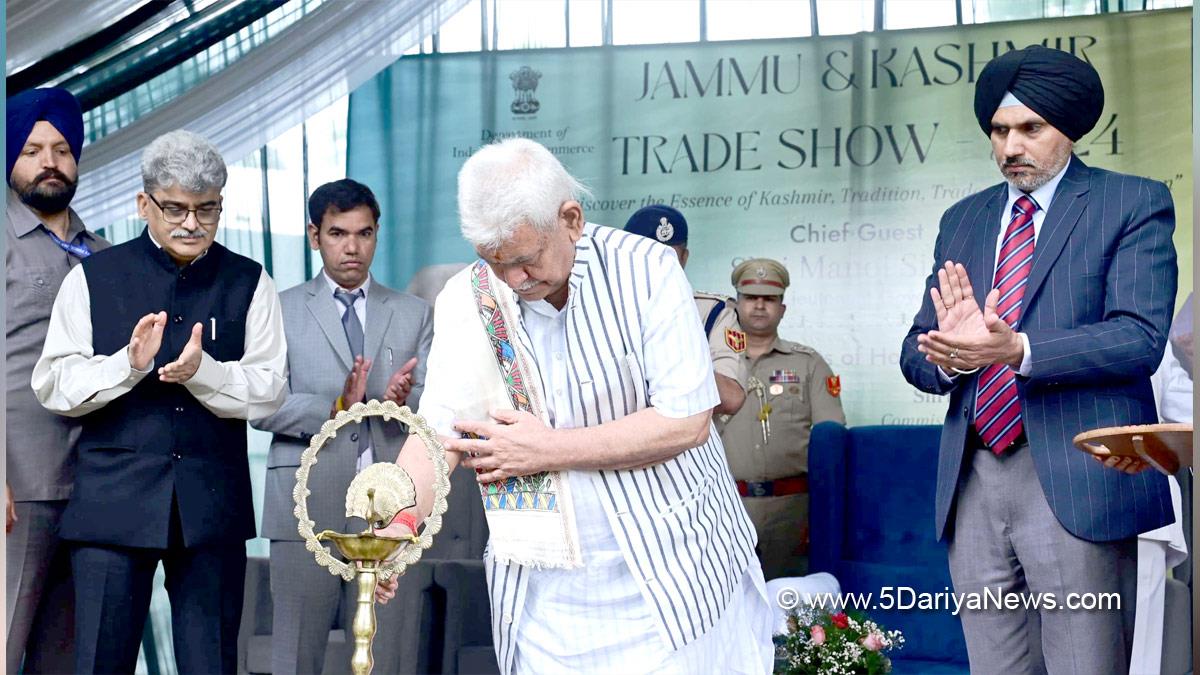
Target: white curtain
36, 29
319, 59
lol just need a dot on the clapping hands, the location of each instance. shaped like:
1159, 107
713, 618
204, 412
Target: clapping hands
967, 338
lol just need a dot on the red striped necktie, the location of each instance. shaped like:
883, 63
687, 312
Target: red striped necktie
997, 410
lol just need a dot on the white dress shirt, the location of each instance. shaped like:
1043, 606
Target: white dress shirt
1042, 197
367, 458
70, 379
360, 306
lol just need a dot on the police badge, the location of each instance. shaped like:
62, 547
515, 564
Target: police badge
833, 384
665, 230
736, 340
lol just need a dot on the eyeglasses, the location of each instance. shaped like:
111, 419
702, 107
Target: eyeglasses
177, 215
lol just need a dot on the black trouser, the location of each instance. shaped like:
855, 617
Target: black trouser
112, 598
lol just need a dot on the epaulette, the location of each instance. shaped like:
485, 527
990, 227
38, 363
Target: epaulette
797, 348
721, 303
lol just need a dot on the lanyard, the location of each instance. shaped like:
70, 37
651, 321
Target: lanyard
79, 250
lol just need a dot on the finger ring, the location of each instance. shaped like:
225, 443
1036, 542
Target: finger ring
954, 353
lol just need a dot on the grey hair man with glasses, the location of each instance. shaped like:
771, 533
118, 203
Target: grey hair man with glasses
163, 346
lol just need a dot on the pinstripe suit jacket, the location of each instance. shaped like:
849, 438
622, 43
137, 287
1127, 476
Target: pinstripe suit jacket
1096, 311
680, 524
319, 360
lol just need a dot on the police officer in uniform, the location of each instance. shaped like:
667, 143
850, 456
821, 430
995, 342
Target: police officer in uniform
726, 341
789, 388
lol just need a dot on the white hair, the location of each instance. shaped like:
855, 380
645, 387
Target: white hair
185, 159
509, 184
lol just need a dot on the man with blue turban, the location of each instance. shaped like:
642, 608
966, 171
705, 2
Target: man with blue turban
45, 240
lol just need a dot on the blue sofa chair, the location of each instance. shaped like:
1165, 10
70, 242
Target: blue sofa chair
871, 518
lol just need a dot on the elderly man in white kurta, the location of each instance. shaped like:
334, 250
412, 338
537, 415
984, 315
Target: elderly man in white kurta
570, 370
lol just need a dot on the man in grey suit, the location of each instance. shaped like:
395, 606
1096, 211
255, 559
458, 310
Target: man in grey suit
46, 239
350, 338
1075, 272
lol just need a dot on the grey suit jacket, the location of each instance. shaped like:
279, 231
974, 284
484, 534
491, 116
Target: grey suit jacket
399, 326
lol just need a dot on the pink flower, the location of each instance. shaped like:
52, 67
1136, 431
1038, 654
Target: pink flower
840, 620
873, 642
818, 635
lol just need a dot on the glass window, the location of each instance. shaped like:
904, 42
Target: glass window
529, 24
326, 156
286, 205
984, 11
587, 21
241, 222
1076, 7
460, 33
327, 143
424, 46
843, 17
655, 21
751, 19
124, 229
132, 105
917, 13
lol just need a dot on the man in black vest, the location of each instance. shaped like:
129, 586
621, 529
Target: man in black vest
163, 346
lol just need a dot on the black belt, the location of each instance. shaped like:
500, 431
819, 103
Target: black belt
779, 487
974, 442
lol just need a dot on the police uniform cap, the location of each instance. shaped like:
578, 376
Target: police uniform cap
760, 276
661, 223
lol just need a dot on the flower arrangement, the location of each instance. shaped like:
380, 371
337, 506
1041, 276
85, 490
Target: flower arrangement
819, 642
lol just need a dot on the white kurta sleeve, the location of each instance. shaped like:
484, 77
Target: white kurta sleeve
678, 366
68, 378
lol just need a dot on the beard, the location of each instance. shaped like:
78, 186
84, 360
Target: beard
1038, 173
45, 198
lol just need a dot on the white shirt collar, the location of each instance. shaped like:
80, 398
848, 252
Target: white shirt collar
334, 287
543, 307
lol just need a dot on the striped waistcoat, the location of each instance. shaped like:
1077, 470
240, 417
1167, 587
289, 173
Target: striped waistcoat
680, 524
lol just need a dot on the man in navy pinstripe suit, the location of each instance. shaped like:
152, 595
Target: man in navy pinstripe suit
1046, 313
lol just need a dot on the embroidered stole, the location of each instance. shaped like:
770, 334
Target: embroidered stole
531, 518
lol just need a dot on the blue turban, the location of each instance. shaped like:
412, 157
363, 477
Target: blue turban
1063, 89
54, 105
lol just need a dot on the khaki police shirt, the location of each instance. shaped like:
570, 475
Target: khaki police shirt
726, 341
795, 408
